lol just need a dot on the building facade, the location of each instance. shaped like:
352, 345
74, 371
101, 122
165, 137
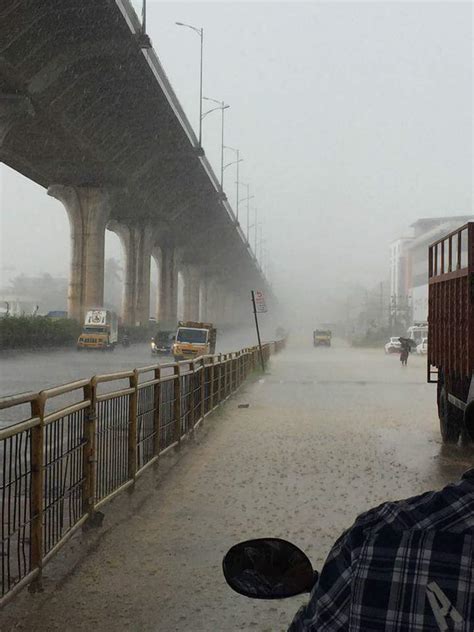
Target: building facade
425, 232
409, 265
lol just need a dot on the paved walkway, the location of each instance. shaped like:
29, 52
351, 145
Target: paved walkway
329, 433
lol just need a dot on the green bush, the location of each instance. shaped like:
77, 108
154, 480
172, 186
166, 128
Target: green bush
29, 332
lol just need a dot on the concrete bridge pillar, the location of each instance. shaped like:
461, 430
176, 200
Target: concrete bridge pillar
88, 209
144, 245
226, 316
168, 287
217, 302
205, 297
137, 242
232, 307
192, 282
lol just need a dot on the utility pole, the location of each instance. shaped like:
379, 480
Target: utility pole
220, 106
255, 235
200, 32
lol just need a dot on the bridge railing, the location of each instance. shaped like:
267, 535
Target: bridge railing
80, 444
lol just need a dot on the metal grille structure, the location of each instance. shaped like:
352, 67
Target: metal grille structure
59, 466
15, 486
451, 303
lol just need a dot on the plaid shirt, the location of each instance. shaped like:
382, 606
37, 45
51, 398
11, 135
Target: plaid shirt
405, 566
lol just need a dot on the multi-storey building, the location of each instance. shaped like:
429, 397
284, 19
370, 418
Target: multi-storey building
409, 266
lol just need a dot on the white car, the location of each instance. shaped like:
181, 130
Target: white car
393, 345
422, 348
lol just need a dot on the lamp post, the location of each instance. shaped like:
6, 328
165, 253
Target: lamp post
261, 246
256, 229
247, 199
229, 164
144, 16
255, 226
220, 106
200, 32
237, 161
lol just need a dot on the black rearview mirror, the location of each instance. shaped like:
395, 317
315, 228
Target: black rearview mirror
268, 568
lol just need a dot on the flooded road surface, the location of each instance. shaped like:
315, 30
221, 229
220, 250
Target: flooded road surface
328, 434
22, 371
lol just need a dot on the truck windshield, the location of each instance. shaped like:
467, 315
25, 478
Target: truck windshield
198, 336
96, 330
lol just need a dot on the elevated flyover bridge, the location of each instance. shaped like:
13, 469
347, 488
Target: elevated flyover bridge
87, 112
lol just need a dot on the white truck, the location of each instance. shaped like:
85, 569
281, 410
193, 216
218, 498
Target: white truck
100, 330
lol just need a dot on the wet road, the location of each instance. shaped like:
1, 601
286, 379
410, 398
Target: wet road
22, 371
35, 370
328, 433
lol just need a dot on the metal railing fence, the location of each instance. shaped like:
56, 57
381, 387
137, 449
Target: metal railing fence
58, 468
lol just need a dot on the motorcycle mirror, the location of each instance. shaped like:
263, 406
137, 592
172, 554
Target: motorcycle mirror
268, 568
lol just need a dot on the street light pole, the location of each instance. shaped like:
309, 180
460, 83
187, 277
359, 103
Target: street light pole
261, 246
200, 88
247, 199
144, 16
229, 164
222, 147
256, 228
237, 188
237, 162
248, 211
220, 106
200, 32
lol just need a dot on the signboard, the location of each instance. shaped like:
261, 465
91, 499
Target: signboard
260, 305
96, 317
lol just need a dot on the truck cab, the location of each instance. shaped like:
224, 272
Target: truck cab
100, 330
194, 339
322, 337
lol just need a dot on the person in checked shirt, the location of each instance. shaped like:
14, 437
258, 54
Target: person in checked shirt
405, 566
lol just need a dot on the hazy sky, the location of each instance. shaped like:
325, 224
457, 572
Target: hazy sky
354, 119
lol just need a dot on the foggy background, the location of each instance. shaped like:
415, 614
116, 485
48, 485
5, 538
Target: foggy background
353, 119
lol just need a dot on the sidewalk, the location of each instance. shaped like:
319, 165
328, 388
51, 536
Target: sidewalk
324, 437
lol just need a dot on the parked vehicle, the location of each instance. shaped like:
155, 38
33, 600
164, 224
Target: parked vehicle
322, 337
100, 330
422, 348
162, 342
450, 355
393, 345
194, 339
418, 331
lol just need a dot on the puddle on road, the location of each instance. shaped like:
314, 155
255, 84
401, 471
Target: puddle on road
426, 455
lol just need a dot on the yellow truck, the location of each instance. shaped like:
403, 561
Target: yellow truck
193, 339
322, 338
100, 330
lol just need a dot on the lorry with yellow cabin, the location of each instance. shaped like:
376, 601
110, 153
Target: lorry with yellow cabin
193, 339
100, 330
322, 337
